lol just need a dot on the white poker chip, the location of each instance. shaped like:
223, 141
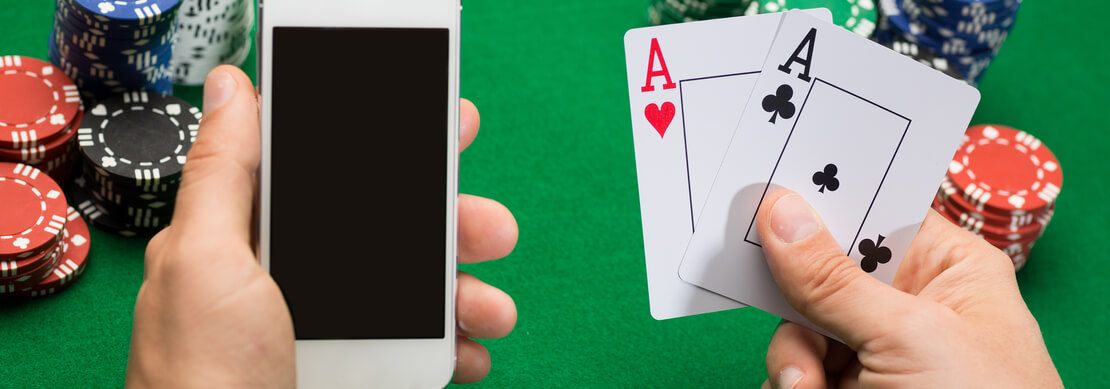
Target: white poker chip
211, 33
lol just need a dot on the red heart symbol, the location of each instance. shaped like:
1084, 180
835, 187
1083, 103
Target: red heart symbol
660, 118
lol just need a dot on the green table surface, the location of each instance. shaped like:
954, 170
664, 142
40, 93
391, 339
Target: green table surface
556, 148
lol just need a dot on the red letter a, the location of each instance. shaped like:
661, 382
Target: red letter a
652, 73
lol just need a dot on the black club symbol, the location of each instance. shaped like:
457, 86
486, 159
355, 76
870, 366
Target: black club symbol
779, 103
827, 179
873, 254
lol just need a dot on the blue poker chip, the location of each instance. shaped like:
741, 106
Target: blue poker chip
81, 19
967, 33
132, 59
133, 12
109, 47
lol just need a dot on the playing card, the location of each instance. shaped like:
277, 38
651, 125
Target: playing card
687, 85
861, 132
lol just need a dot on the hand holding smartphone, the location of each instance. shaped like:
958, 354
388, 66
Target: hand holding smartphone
359, 183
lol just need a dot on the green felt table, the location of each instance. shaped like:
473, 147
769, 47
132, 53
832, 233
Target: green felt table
556, 148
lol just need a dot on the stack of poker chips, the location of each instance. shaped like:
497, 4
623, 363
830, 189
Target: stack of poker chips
44, 244
859, 16
134, 147
211, 33
110, 47
39, 112
680, 11
969, 33
1002, 185
923, 55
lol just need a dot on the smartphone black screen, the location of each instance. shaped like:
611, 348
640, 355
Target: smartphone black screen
359, 180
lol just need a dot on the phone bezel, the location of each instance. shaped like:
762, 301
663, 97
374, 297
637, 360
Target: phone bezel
368, 362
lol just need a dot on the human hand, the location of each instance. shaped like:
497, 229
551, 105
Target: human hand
207, 315
953, 318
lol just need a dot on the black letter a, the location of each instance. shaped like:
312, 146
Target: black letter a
808, 41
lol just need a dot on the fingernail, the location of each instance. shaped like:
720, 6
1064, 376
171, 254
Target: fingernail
790, 377
792, 219
218, 89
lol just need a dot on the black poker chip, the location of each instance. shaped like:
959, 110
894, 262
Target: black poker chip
134, 147
139, 138
95, 214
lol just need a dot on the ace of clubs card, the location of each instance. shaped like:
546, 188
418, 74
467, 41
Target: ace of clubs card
863, 133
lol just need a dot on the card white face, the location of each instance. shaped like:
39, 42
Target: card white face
862, 133
688, 84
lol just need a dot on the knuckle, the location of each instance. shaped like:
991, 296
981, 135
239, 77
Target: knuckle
970, 248
154, 247
206, 148
824, 278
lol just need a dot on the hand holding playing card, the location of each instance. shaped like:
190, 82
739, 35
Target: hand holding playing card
954, 317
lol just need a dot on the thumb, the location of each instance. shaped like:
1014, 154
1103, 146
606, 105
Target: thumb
217, 188
818, 279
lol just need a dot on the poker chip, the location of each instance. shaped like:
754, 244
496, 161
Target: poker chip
680, 11
133, 147
968, 33
1006, 171
923, 55
39, 109
139, 138
1002, 185
210, 33
71, 262
42, 246
37, 101
96, 214
858, 16
111, 47
953, 197
38, 267
129, 13
33, 206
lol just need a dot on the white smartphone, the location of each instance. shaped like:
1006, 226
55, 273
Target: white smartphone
358, 185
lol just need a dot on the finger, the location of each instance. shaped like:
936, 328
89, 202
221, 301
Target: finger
816, 277
941, 245
795, 357
487, 230
217, 188
473, 362
483, 310
469, 122
153, 249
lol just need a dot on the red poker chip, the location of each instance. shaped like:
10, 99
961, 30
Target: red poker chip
1018, 251
34, 275
11, 270
979, 224
37, 101
1005, 170
62, 144
72, 262
34, 209
953, 197
1020, 260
